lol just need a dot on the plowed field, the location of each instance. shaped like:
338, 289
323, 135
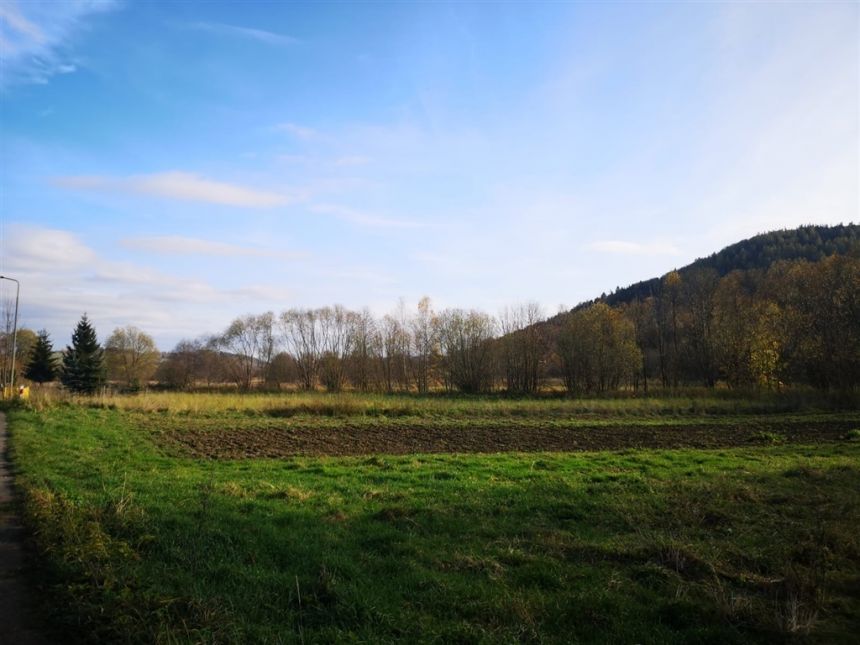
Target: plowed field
274, 442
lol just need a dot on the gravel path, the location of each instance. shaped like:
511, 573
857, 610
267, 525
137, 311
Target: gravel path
16, 622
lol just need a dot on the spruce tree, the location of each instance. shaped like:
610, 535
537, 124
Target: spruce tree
83, 362
41, 368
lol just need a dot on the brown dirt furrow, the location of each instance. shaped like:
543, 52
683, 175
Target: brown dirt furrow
244, 443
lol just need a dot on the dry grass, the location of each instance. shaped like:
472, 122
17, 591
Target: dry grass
289, 403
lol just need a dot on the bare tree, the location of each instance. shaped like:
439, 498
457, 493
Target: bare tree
734, 322
366, 350
643, 314
698, 291
190, 361
213, 364
337, 330
249, 345
177, 369
302, 337
598, 350
282, 369
465, 339
425, 342
395, 353
668, 308
131, 356
522, 346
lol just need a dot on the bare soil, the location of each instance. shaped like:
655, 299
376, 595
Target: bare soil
257, 442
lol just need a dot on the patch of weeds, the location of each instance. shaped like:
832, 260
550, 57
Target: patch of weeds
567, 512
395, 515
651, 575
293, 493
804, 472
96, 568
604, 477
541, 464
315, 600
853, 435
770, 438
744, 493
733, 605
680, 558
798, 601
486, 566
232, 489
377, 462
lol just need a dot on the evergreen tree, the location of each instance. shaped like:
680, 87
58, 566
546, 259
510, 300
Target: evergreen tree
41, 367
83, 362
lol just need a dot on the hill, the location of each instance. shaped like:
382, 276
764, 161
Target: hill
806, 242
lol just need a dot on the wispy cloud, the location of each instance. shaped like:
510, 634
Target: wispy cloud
621, 247
180, 245
38, 248
252, 33
62, 276
35, 37
363, 219
14, 22
298, 131
179, 185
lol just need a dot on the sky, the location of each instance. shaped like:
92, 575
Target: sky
175, 165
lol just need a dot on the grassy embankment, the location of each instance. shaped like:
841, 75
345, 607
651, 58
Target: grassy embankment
145, 543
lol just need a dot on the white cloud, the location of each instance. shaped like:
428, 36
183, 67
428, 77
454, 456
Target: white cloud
259, 35
36, 36
621, 247
261, 292
180, 245
62, 277
36, 249
178, 185
14, 21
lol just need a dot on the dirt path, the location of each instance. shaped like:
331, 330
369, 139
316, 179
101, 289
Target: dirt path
15, 599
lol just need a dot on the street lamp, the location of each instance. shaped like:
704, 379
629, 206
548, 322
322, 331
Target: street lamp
14, 331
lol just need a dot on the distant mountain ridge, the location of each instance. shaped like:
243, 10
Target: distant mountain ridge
759, 252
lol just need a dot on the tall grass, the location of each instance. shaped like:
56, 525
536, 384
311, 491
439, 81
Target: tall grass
682, 402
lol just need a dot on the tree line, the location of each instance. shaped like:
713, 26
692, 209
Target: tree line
794, 323
811, 243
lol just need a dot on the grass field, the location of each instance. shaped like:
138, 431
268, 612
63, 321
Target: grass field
146, 537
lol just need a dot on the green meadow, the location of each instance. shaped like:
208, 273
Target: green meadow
139, 539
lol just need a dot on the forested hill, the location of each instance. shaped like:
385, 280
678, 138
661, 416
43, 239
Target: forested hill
759, 252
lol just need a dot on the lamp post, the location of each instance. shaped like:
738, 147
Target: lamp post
14, 332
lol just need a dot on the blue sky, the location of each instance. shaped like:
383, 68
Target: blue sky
174, 165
